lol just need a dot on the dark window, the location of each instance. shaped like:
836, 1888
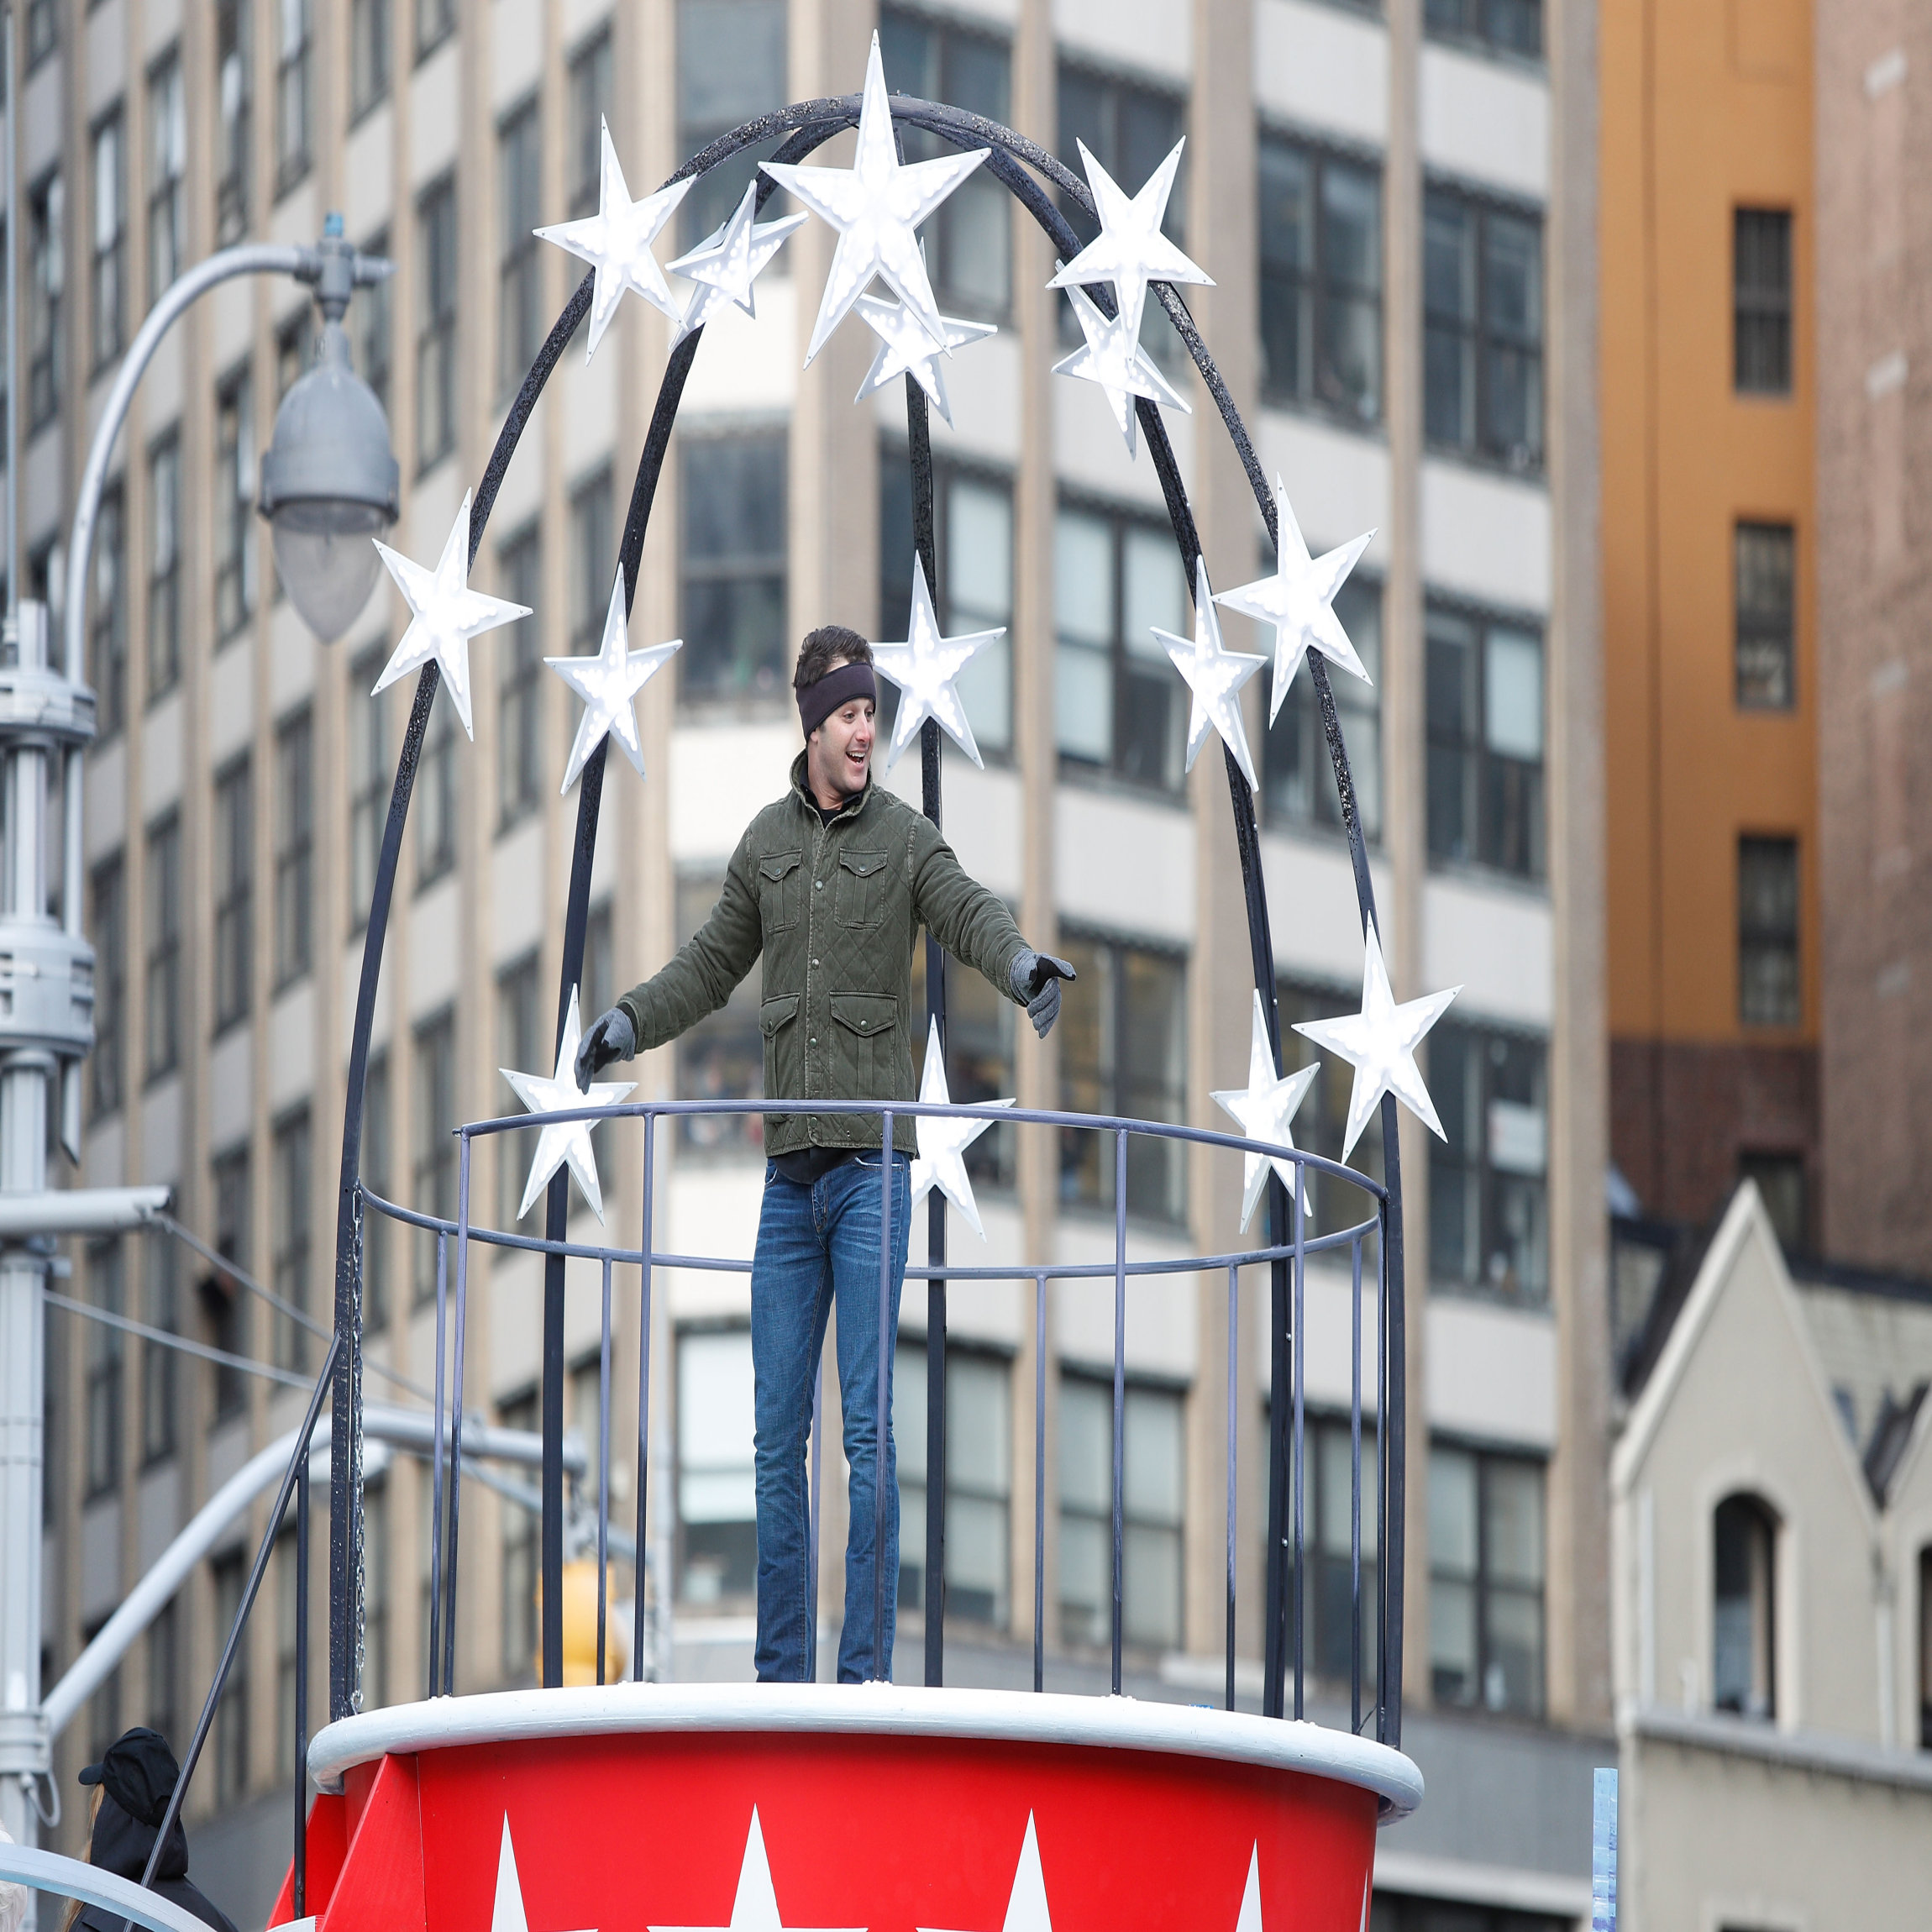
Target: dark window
369, 783
1123, 1051
733, 585
234, 512
104, 1706
968, 240
108, 927
378, 1177
1489, 1182
436, 339
106, 1292
162, 1006
369, 45
1766, 621
369, 323
107, 626
109, 241
593, 563
435, 22
1780, 1179
1320, 220
294, 848
1485, 694
978, 1482
722, 1057
1744, 1617
716, 1515
163, 1669
289, 1210
591, 88
520, 1042
232, 1714
292, 82
520, 328
519, 684
731, 69
374, 1680
234, 95
1769, 993
1153, 1483
294, 351
1486, 1580
1504, 26
234, 892
436, 1156
41, 30
1119, 706
228, 1312
1760, 300
1483, 329
1328, 1505
46, 293
1322, 1118
164, 565
436, 794
160, 1264
167, 171
1298, 783
520, 1526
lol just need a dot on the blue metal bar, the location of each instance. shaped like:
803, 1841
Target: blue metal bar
817, 1494
298, 1862
1382, 1487
1233, 1340
604, 1467
1039, 1481
1119, 1384
881, 1669
644, 1402
456, 1410
436, 1471
1299, 1460
1355, 1497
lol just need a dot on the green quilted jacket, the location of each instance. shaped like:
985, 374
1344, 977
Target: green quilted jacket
835, 910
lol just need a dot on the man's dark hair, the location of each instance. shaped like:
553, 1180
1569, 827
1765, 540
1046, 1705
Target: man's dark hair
828, 645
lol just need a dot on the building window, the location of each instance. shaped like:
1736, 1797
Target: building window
436, 799
978, 1482
1489, 1183
733, 586
108, 648
520, 1042
1769, 993
1124, 1052
107, 927
228, 1315
1483, 329
294, 847
369, 783
161, 1007
372, 1691
1154, 1490
41, 30
519, 685
291, 94
436, 340
520, 1578
290, 1233
106, 1292
722, 1057
591, 88
234, 504
167, 171
1499, 26
1323, 1118
234, 892
968, 240
46, 290
1298, 783
717, 1513
435, 22
294, 351
285, 1646
1760, 300
1486, 1580
235, 90
1328, 1506
519, 270
1744, 1676
593, 563
1766, 573
163, 566
731, 68
230, 1574
436, 1152
1320, 221
973, 536
160, 1287
377, 1178
369, 321
1485, 703
162, 1671
368, 55
110, 236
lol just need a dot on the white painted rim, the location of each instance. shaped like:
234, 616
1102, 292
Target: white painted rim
1110, 1723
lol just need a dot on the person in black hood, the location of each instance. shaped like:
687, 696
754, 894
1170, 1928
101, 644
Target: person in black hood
132, 1783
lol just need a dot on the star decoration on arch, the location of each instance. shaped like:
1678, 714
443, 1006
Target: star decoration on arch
617, 243
755, 1908
444, 615
727, 261
1215, 675
1380, 1043
1298, 600
927, 668
1130, 251
875, 204
564, 1142
905, 348
1111, 356
1027, 1908
506, 1912
1264, 1109
943, 1140
608, 683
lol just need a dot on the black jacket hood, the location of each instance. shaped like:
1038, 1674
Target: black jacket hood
122, 1844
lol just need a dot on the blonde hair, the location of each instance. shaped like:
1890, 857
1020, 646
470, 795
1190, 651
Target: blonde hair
74, 1906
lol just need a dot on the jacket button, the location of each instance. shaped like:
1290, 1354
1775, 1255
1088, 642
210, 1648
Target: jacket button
818, 885
814, 962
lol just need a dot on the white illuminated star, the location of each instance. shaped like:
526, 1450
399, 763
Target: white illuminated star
1380, 1043
1215, 675
507, 1913
755, 1908
1026, 1908
1112, 356
564, 1142
1298, 600
944, 1141
1130, 251
875, 204
444, 615
1264, 1108
727, 261
927, 668
905, 348
607, 683
617, 243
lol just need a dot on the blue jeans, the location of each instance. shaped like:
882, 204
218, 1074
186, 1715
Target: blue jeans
816, 1244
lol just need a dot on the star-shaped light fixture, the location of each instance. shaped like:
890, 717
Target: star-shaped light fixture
1026, 1905
444, 615
607, 683
875, 204
905, 348
564, 1140
617, 243
1264, 1108
727, 261
506, 1912
1215, 675
1130, 251
1298, 600
944, 1141
755, 1908
1380, 1043
1112, 356
927, 668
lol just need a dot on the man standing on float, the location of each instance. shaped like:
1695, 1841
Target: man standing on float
831, 884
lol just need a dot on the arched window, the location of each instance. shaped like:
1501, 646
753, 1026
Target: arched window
1744, 1622
1926, 1648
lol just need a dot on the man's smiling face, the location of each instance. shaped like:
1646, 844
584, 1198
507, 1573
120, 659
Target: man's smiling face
840, 752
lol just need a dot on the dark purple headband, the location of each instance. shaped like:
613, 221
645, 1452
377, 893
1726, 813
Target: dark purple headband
817, 702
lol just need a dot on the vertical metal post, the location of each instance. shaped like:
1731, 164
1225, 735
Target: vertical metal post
603, 1467
817, 1479
1039, 1481
1382, 1481
456, 1412
1233, 1339
1389, 1540
643, 1406
1301, 1449
1119, 1385
298, 1863
437, 1472
881, 1669
1274, 1571
1355, 1490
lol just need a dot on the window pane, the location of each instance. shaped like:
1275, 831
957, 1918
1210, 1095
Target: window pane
734, 567
1766, 569
1769, 992
716, 1498
1513, 693
1155, 1460
1513, 1522
1086, 1427
731, 69
1452, 1512
1082, 579
1153, 591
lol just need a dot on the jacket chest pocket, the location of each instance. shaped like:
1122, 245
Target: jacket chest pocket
859, 897
779, 891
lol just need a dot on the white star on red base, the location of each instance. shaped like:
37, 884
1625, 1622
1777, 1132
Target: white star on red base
1026, 1906
507, 1915
755, 1908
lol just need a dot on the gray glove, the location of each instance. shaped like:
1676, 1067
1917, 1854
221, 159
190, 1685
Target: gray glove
608, 1038
1036, 978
